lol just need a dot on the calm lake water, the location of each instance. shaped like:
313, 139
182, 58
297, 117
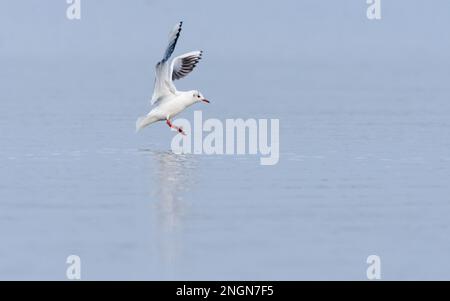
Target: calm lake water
364, 166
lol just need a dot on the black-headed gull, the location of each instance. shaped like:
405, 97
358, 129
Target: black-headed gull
168, 100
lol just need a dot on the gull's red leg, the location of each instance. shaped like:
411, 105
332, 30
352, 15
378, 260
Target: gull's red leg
179, 129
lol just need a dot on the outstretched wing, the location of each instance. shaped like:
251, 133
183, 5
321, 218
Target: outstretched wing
173, 39
163, 82
184, 64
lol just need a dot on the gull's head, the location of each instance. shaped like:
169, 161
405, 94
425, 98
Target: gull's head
198, 97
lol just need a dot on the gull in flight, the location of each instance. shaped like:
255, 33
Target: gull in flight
168, 101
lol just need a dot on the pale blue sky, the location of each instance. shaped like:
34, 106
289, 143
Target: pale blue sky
263, 29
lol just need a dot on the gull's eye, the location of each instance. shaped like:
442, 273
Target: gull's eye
198, 96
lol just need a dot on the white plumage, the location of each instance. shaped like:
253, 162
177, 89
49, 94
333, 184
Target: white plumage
168, 101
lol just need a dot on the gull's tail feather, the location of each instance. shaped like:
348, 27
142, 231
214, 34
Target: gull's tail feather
144, 121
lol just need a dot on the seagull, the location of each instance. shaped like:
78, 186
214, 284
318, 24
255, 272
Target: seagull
168, 101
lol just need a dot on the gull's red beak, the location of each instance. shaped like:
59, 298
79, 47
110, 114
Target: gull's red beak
205, 100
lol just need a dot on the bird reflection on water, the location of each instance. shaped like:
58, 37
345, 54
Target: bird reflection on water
174, 176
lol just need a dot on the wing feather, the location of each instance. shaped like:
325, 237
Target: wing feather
163, 82
184, 64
